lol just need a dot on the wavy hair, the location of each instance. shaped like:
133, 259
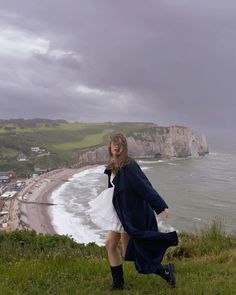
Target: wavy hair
116, 163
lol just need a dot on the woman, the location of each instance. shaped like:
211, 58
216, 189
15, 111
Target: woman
126, 209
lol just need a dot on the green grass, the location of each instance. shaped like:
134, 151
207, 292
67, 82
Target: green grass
8, 152
79, 275
81, 126
17, 130
94, 139
76, 126
90, 140
54, 264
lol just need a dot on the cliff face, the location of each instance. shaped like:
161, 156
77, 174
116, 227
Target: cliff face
165, 142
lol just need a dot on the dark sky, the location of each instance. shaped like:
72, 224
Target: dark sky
168, 62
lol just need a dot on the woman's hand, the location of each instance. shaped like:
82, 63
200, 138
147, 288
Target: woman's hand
165, 212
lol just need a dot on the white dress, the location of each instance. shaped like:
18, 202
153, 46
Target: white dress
102, 211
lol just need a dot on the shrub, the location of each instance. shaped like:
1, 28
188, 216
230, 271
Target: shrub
210, 240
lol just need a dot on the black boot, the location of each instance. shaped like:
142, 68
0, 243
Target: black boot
166, 271
117, 276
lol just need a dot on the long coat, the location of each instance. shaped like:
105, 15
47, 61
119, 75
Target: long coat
135, 201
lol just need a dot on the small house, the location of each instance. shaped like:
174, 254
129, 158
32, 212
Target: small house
21, 157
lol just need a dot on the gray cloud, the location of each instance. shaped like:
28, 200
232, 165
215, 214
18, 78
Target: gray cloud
163, 61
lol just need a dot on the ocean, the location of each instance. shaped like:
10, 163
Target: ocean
196, 189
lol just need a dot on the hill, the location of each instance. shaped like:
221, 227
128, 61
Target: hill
52, 264
62, 142
26, 145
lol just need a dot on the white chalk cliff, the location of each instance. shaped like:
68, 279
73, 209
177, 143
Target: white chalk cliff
155, 142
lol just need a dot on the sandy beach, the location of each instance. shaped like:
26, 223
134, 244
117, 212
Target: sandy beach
35, 199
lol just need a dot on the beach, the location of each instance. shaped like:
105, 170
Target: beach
35, 199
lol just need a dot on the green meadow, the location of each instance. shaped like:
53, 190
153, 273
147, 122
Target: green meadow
89, 141
205, 264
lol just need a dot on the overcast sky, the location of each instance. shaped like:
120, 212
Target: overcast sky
168, 62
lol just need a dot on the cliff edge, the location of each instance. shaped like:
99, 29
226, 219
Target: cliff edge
155, 142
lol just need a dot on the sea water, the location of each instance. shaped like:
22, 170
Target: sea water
196, 189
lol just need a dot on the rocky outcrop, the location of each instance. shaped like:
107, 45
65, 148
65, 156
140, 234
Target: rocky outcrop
97, 156
202, 146
155, 142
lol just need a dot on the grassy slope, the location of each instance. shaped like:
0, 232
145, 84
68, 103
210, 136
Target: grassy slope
66, 136
65, 141
36, 264
88, 141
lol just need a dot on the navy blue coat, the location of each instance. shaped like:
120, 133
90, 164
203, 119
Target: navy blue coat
135, 201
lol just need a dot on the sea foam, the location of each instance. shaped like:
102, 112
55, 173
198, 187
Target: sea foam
70, 214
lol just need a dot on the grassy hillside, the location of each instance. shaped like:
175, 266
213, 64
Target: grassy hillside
65, 141
36, 264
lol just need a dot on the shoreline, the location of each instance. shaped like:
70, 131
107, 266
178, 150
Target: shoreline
36, 199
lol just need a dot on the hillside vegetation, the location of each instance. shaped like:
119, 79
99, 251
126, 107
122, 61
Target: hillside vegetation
52, 264
64, 141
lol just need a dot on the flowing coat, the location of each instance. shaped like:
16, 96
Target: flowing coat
135, 201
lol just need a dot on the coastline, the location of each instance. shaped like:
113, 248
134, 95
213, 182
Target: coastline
36, 199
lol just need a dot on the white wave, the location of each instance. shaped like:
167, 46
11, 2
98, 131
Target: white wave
67, 224
220, 205
67, 221
69, 215
214, 154
196, 218
146, 168
150, 162
94, 170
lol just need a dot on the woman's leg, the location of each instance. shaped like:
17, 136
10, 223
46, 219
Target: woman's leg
112, 242
124, 242
115, 261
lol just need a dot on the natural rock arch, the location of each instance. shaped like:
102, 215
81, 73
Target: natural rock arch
194, 147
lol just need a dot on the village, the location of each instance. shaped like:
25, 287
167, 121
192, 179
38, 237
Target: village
9, 189
13, 191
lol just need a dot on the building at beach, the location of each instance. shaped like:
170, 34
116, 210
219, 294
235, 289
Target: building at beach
6, 177
8, 195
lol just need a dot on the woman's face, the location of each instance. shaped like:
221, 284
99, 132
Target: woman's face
116, 149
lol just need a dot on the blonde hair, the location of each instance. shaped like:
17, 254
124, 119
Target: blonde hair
114, 164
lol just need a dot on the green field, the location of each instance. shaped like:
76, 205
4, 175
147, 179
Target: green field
8, 152
89, 141
30, 264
